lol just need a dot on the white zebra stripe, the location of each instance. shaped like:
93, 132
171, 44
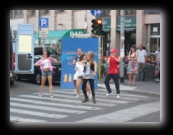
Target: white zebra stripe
20, 119
125, 114
34, 113
98, 99
67, 100
101, 92
54, 104
47, 108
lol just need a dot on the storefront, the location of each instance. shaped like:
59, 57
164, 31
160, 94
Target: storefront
54, 37
154, 37
129, 31
105, 40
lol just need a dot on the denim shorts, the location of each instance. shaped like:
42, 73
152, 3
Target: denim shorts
47, 73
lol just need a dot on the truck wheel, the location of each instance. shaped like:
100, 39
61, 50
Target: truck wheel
38, 78
11, 82
17, 78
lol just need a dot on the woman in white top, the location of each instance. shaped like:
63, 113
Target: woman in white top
80, 72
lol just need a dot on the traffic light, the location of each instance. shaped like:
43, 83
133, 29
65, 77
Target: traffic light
94, 26
97, 26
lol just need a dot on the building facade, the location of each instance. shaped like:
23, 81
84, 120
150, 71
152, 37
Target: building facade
141, 26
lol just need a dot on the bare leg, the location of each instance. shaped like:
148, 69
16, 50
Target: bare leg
50, 84
134, 77
129, 76
78, 83
43, 80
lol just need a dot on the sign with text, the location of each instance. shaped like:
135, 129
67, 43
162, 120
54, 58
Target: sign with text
69, 52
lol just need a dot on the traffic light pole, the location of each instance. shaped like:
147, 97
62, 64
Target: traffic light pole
122, 47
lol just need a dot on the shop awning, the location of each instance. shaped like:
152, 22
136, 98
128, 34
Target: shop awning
126, 28
54, 36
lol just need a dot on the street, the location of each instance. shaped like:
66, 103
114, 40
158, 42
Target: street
27, 106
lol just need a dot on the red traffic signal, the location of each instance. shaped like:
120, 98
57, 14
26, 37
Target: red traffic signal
99, 21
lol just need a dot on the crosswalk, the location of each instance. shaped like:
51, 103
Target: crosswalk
64, 104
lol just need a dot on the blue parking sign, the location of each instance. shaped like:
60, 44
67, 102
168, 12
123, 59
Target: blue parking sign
43, 23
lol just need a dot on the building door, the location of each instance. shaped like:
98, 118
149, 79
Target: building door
154, 43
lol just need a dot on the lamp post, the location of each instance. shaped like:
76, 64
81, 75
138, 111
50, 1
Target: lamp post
122, 47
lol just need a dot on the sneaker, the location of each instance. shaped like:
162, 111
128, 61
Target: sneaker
75, 92
90, 95
51, 95
77, 96
94, 101
108, 94
85, 100
40, 95
118, 95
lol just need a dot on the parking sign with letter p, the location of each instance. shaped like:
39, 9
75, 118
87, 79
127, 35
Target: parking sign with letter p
43, 23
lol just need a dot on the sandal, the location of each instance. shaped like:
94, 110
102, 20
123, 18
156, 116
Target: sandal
129, 83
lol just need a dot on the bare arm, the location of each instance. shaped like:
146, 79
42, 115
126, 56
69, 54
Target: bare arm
53, 59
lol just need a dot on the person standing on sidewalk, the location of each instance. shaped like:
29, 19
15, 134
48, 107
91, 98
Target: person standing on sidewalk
142, 56
132, 69
46, 67
89, 74
79, 52
113, 72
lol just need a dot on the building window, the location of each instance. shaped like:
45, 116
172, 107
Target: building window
11, 14
33, 12
127, 12
151, 11
155, 29
46, 11
106, 13
18, 13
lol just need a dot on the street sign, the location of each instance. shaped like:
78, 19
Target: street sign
96, 13
43, 31
43, 35
43, 23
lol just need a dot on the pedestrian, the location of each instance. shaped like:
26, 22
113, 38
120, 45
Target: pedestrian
157, 55
79, 52
80, 72
46, 67
89, 74
113, 72
142, 57
132, 69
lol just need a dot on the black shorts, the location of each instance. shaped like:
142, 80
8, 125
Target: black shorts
80, 77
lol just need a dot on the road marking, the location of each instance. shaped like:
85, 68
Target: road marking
40, 114
20, 119
101, 92
125, 114
98, 99
67, 100
47, 108
54, 104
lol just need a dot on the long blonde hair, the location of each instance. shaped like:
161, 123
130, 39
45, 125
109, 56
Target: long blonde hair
91, 54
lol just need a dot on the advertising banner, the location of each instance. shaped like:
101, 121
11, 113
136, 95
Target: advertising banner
69, 52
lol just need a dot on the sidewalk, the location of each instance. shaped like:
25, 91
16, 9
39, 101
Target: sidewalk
146, 88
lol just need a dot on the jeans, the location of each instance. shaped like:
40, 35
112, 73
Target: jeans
91, 86
141, 71
115, 78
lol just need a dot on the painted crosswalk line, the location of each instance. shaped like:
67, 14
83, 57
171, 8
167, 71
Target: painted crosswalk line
125, 115
37, 113
20, 119
54, 104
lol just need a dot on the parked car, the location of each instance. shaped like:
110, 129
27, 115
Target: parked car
36, 77
12, 56
39, 49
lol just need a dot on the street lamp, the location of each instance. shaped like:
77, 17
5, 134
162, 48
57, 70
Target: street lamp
122, 47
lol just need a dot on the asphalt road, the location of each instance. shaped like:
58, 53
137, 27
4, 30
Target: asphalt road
27, 106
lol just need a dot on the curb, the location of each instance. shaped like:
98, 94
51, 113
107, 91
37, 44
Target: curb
139, 92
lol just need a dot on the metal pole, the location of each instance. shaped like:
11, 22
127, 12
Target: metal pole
38, 15
122, 47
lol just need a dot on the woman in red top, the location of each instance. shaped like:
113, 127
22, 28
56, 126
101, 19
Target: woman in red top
113, 72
